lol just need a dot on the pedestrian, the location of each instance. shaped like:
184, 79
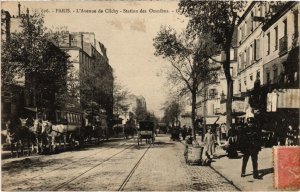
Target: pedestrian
232, 141
189, 132
223, 131
250, 146
184, 132
209, 141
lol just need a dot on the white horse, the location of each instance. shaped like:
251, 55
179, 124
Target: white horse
55, 132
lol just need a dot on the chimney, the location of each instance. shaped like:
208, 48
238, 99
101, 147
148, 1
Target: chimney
19, 8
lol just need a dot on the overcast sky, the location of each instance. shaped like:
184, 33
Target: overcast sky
128, 38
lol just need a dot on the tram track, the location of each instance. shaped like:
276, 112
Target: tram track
71, 162
56, 188
133, 170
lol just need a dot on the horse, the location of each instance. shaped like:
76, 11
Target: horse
27, 134
55, 132
40, 136
14, 137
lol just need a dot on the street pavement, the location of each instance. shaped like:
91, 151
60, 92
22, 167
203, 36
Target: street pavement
231, 169
117, 165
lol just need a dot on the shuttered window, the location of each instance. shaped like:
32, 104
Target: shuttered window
248, 56
257, 49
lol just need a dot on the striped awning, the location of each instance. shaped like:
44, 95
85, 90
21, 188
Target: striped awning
288, 98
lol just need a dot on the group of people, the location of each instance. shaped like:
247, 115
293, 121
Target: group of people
243, 137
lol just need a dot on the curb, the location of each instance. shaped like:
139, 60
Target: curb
230, 181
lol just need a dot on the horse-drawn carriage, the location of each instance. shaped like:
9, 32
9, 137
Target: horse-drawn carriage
46, 135
146, 131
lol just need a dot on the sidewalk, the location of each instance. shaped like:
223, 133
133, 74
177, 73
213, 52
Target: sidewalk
231, 170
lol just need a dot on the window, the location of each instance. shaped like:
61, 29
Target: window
268, 76
245, 58
257, 49
251, 77
276, 37
213, 93
252, 22
248, 56
258, 75
285, 27
252, 49
268, 50
240, 62
245, 81
296, 30
240, 86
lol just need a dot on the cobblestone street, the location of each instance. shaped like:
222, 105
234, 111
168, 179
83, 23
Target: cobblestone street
117, 165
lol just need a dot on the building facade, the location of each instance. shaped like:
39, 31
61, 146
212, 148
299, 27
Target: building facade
91, 66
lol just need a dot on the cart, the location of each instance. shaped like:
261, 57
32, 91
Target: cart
146, 131
193, 153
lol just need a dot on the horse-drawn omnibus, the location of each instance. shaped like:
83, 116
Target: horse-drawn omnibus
146, 131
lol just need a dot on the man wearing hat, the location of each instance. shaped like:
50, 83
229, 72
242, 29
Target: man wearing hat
250, 146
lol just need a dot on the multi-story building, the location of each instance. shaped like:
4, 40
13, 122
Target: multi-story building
250, 48
18, 95
268, 51
91, 65
281, 50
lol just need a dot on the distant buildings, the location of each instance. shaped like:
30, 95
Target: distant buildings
135, 104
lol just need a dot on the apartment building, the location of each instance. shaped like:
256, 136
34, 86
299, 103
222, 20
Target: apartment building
281, 50
250, 48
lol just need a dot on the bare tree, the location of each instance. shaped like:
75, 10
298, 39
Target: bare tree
120, 95
219, 20
189, 66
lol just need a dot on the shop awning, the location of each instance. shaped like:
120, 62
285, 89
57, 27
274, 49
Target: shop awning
211, 120
31, 109
288, 98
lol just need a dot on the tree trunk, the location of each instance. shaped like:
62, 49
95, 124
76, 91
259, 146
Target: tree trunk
194, 95
204, 112
226, 67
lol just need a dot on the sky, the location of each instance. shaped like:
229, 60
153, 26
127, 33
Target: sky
128, 37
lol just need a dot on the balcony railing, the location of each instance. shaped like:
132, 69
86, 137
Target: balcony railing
283, 45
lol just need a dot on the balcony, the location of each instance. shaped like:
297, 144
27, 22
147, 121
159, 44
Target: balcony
283, 45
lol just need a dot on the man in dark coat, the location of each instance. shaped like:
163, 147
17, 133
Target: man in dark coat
250, 146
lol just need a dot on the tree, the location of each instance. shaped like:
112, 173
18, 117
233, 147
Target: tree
29, 53
189, 67
140, 111
219, 19
172, 111
120, 95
